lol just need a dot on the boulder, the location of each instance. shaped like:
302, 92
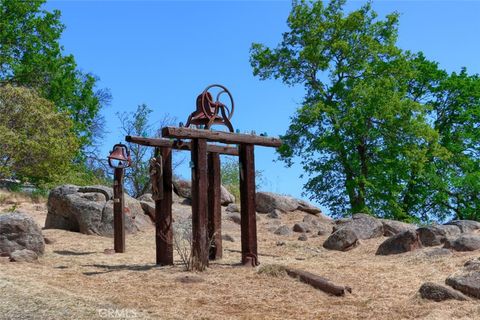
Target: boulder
364, 225
400, 243
233, 207
436, 292
468, 282
275, 214
19, 231
343, 239
392, 227
472, 265
148, 208
307, 207
465, 242
23, 255
318, 225
268, 201
283, 231
465, 225
88, 210
183, 188
303, 237
437, 252
226, 197
437, 234
301, 227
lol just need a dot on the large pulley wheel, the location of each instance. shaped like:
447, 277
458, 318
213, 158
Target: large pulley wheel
217, 98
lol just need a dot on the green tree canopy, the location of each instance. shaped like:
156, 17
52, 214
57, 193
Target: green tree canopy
31, 56
368, 130
35, 141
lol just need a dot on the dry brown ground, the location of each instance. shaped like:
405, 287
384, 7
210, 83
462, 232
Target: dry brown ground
75, 279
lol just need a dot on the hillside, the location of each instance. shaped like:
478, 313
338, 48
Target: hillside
76, 279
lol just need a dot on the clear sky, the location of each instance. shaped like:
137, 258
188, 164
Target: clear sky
163, 53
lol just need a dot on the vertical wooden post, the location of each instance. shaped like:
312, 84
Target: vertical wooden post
247, 201
199, 205
118, 211
214, 207
163, 212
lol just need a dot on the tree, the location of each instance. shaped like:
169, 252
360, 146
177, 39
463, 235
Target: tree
31, 56
380, 130
36, 142
137, 177
357, 132
230, 176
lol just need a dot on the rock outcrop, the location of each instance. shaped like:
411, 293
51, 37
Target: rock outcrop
437, 234
89, 210
465, 242
266, 202
400, 243
343, 239
365, 226
392, 227
437, 292
19, 231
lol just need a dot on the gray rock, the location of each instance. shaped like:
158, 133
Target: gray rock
301, 227
307, 207
233, 207
226, 197
437, 234
392, 227
19, 231
465, 242
23, 255
472, 265
364, 225
436, 292
90, 212
468, 282
268, 201
275, 214
437, 252
318, 225
228, 238
465, 225
343, 239
283, 231
149, 209
400, 243
147, 197
183, 188
234, 216
303, 237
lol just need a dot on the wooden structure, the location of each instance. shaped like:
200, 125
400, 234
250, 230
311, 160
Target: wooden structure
206, 210
118, 211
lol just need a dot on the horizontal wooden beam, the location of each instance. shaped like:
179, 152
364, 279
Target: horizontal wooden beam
180, 145
220, 136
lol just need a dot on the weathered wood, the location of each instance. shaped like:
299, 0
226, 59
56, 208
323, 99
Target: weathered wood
220, 136
163, 211
180, 145
199, 205
318, 282
118, 211
248, 221
214, 207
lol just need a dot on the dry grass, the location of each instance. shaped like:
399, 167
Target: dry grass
75, 279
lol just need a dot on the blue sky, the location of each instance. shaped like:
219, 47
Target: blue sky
163, 53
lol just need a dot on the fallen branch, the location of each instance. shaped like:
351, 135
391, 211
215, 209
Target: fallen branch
318, 282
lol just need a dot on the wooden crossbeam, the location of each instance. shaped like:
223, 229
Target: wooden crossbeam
179, 145
220, 136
